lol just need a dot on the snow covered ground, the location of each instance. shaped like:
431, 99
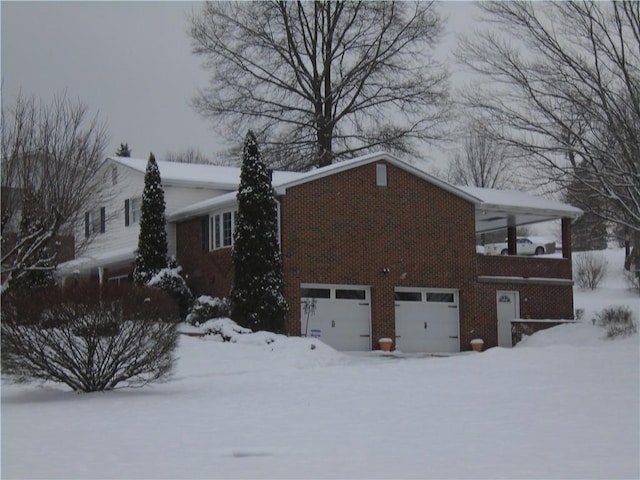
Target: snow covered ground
562, 404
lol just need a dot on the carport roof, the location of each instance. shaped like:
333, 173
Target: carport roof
499, 209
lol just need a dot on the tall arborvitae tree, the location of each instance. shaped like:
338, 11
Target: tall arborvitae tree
123, 151
257, 301
151, 256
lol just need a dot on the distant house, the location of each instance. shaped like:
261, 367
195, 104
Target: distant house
372, 247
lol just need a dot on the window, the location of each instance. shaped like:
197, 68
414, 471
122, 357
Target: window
409, 296
315, 293
381, 175
119, 280
136, 205
440, 297
350, 294
95, 222
132, 208
221, 231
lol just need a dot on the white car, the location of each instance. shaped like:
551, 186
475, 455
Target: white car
524, 247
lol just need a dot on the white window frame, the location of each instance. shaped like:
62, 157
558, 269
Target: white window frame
217, 237
381, 175
94, 221
135, 213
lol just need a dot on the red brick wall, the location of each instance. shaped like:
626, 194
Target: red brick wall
504, 265
343, 229
207, 273
536, 301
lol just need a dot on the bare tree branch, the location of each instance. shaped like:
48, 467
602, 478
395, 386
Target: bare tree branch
562, 84
50, 159
319, 81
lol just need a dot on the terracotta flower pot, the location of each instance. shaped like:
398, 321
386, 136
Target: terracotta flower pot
385, 344
477, 344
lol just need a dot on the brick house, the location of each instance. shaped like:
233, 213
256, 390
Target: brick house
374, 247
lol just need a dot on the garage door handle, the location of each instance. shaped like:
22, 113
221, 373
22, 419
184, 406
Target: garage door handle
365, 303
425, 325
454, 336
452, 306
367, 336
333, 324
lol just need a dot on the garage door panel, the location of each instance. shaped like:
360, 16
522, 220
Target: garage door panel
342, 321
427, 321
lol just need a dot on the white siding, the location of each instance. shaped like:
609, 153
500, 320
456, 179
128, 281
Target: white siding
130, 184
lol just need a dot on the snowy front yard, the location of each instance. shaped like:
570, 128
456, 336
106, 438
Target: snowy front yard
562, 404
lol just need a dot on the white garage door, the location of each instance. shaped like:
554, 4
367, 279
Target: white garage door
339, 315
427, 320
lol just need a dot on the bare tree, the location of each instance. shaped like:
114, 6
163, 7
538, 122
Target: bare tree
482, 161
50, 157
190, 155
318, 81
564, 87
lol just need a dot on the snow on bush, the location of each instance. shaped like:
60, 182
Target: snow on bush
206, 308
224, 328
170, 281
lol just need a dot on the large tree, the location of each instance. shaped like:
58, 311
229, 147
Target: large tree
151, 256
322, 80
481, 161
123, 151
50, 159
257, 301
564, 87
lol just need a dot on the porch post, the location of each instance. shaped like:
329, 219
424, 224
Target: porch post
511, 240
101, 275
566, 237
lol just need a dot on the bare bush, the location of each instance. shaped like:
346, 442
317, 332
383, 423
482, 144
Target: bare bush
590, 269
617, 321
91, 345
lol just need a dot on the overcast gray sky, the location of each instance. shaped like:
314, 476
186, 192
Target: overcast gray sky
129, 62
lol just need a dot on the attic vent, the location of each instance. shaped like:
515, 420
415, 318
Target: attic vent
381, 175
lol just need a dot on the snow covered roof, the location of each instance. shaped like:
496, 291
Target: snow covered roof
204, 207
495, 209
86, 263
195, 174
500, 208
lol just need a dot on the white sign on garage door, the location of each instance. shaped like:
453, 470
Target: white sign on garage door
427, 320
339, 315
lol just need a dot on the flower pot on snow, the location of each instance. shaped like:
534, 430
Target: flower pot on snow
476, 344
385, 344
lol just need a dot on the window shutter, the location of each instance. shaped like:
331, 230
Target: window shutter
126, 212
87, 225
103, 220
204, 234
